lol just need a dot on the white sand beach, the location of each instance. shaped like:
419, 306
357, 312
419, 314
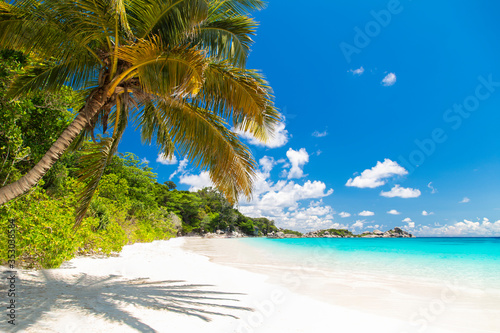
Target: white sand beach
165, 287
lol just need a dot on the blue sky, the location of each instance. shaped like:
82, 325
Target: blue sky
389, 106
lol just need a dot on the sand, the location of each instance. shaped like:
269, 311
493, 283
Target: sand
166, 287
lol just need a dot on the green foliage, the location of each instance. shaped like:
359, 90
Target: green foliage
291, 232
45, 235
338, 232
29, 125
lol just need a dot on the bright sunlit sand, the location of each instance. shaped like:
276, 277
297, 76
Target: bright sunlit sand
167, 286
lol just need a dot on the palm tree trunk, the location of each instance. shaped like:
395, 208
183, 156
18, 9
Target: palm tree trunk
30, 179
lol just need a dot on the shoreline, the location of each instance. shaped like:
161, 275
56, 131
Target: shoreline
167, 286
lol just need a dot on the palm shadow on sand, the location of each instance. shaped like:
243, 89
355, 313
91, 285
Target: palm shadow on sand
106, 296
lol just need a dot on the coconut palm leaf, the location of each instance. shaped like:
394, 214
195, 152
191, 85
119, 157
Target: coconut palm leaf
50, 76
227, 38
31, 28
235, 7
171, 20
242, 95
204, 138
176, 71
149, 122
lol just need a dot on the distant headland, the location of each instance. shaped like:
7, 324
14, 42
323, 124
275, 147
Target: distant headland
324, 233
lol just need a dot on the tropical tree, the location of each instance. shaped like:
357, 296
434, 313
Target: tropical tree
176, 68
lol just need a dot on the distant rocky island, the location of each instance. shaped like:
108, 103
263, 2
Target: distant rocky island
325, 233
342, 233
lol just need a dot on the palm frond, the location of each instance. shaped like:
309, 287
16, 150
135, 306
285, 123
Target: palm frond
177, 71
169, 19
235, 7
120, 9
207, 142
149, 120
227, 38
50, 76
40, 28
242, 95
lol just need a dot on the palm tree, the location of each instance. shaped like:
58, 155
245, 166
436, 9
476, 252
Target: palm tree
176, 68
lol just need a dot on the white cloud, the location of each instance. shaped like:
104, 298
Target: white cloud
401, 192
282, 202
291, 205
144, 160
319, 134
377, 176
166, 161
426, 213
197, 182
411, 224
297, 159
465, 200
483, 228
393, 212
433, 190
267, 163
366, 213
344, 214
286, 194
389, 80
180, 169
358, 224
278, 139
358, 71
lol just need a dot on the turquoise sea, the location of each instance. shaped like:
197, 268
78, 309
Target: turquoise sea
429, 284
473, 261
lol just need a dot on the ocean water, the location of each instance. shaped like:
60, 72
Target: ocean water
428, 283
474, 262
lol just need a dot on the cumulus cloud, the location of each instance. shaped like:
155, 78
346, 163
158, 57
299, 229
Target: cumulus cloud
358, 71
389, 80
278, 139
401, 192
426, 213
144, 160
410, 223
366, 213
283, 201
287, 194
180, 169
344, 214
378, 175
297, 159
466, 228
433, 190
267, 163
393, 212
465, 200
196, 182
290, 204
358, 224
319, 134
165, 160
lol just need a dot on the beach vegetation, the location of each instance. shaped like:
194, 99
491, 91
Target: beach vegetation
335, 232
